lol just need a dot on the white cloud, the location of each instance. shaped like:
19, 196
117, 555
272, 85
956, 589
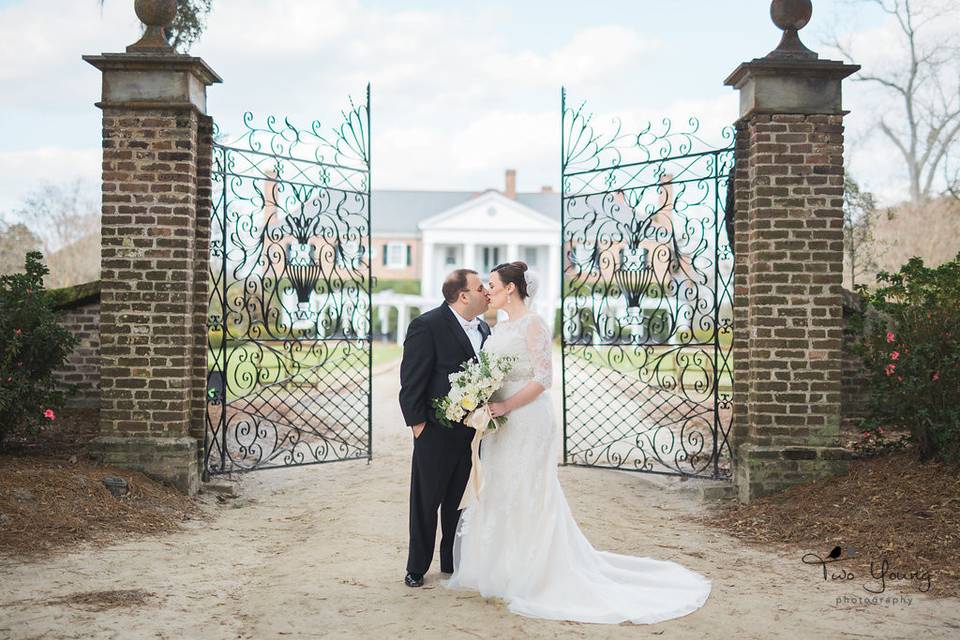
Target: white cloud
453, 105
455, 100
51, 36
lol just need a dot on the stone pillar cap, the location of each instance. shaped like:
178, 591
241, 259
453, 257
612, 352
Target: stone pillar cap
154, 62
790, 85
826, 69
153, 80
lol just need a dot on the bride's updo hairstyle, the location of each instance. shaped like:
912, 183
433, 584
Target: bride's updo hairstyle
513, 272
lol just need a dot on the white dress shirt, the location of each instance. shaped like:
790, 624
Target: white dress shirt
472, 329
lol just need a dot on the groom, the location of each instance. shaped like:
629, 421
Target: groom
437, 343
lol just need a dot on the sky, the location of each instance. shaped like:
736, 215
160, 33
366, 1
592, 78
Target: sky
461, 90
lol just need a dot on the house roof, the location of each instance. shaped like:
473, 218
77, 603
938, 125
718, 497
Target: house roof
401, 211
464, 215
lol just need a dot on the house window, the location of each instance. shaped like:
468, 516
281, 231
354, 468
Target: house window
397, 255
491, 258
450, 256
531, 255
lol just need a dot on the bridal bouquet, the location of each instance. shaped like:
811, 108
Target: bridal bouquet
471, 389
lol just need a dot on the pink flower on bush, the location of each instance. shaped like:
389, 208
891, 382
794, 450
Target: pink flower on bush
936, 375
890, 336
49, 414
17, 332
899, 378
894, 355
890, 368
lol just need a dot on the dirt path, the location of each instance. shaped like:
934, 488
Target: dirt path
319, 551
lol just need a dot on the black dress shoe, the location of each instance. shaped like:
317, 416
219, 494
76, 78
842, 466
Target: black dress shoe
413, 580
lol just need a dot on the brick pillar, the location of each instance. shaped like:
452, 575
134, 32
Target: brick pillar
789, 262
201, 278
155, 242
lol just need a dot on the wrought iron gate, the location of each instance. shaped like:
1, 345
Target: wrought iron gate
289, 349
646, 302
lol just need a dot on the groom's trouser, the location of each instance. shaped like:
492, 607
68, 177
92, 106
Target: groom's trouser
441, 467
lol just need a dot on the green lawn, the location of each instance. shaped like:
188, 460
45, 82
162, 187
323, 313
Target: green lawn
384, 352
653, 362
252, 365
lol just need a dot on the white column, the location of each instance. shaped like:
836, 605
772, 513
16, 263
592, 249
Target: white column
427, 262
383, 311
403, 319
470, 256
513, 252
552, 272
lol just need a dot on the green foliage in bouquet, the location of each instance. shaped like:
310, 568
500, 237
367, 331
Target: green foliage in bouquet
33, 344
441, 406
910, 344
471, 387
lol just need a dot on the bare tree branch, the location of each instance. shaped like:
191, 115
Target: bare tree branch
925, 86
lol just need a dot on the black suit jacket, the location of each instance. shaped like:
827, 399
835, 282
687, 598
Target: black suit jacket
436, 345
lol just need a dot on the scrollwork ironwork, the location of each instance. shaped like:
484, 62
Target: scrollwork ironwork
646, 305
290, 307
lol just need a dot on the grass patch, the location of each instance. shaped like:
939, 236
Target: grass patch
385, 352
252, 365
653, 362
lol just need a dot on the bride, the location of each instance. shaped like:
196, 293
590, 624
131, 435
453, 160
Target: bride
519, 540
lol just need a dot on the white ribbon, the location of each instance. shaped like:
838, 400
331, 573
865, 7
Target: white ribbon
478, 419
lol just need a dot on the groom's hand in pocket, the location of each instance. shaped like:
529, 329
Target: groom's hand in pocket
418, 429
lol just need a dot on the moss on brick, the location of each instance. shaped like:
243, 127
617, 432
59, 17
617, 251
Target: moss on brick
70, 297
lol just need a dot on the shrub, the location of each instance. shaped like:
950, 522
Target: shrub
406, 286
910, 343
876, 441
33, 345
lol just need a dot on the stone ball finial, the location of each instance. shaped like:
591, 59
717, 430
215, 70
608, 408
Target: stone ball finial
156, 15
790, 16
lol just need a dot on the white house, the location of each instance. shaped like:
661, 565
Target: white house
424, 235
486, 231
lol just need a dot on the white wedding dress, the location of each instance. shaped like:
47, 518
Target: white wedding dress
520, 542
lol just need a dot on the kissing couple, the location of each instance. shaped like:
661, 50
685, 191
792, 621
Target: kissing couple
518, 540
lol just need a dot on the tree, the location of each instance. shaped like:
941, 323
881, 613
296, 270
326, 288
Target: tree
60, 214
952, 175
188, 26
63, 219
16, 241
926, 126
859, 212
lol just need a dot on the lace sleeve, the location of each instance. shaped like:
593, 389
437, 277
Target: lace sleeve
540, 347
